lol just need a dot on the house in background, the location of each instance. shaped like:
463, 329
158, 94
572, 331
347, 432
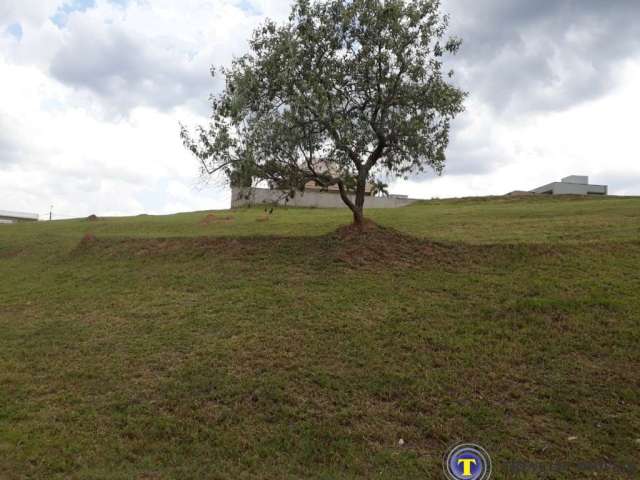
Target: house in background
571, 185
14, 217
316, 187
313, 196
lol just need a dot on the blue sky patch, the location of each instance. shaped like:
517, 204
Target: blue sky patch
247, 6
62, 15
15, 30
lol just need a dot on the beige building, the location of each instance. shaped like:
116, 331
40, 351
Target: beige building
332, 170
314, 187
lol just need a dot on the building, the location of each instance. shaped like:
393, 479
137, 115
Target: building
314, 194
572, 185
316, 187
327, 167
243, 197
14, 217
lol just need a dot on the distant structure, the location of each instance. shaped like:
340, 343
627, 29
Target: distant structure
14, 217
315, 187
571, 185
313, 196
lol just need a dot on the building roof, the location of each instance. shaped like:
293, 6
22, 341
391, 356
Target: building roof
573, 184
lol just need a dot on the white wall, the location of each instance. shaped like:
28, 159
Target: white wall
259, 196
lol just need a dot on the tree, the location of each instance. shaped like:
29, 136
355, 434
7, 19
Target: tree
342, 92
379, 189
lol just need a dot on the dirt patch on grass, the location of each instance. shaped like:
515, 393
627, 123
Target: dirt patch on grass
213, 218
181, 247
369, 247
16, 252
88, 239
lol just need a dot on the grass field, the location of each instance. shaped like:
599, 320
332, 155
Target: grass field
226, 346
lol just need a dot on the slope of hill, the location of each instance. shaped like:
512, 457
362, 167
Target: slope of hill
236, 344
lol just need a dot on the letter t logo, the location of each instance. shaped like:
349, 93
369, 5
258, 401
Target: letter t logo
466, 465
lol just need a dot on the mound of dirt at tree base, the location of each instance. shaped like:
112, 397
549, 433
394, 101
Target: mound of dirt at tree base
371, 245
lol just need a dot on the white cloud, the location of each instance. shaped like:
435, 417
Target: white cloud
90, 123
155, 54
70, 156
597, 138
29, 11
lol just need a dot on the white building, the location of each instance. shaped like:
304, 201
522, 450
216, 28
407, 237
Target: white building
572, 185
244, 197
14, 217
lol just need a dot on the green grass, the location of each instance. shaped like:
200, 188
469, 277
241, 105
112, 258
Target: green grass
271, 349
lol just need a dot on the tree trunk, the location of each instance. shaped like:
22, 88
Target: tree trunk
358, 217
357, 207
358, 211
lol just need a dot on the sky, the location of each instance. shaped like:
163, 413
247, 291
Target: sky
92, 93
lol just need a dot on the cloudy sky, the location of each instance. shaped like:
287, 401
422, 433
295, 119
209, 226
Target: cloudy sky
92, 92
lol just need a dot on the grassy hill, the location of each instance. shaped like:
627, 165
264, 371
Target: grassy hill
233, 344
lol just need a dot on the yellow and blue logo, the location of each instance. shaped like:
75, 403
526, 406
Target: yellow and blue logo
467, 461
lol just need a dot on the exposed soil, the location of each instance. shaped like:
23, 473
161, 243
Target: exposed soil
356, 247
366, 247
88, 239
369, 245
213, 218
12, 253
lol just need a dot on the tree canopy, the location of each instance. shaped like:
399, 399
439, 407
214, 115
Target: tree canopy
342, 92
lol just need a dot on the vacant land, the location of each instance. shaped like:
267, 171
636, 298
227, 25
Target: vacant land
230, 345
